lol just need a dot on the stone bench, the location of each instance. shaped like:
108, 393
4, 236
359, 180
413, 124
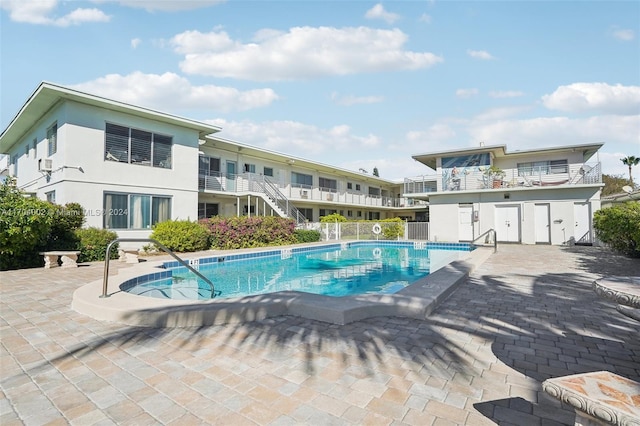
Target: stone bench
598, 398
69, 259
128, 255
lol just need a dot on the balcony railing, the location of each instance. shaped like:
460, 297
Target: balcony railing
523, 177
251, 182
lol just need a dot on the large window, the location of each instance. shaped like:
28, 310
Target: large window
135, 146
249, 168
373, 191
543, 168
268, 171
135, 211
52, 139
209, 166
473, 160
301, 180
207, 210
307, 213
328, 184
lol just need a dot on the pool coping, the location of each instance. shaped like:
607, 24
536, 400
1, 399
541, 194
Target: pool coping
415, 301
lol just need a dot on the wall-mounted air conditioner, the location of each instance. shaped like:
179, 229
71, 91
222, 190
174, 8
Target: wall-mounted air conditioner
45, 165
329, 197
304, 194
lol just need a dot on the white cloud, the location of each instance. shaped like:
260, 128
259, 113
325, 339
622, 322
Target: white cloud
349, 100
299, 139
378, 12
164, 5
624, 34
505, 94
425, 18
135, 43
596, 97
169, 91
302, 52
480, 54
466, 93
41, 12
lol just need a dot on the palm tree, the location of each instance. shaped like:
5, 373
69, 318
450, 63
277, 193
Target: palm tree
630, 161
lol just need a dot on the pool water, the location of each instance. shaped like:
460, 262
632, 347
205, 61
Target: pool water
335, 271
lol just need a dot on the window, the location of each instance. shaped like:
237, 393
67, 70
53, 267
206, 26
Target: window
543, 167
207, 210
135, 211
349, 185
299, 180
268, 171
26, 151
307, 213
326, 183
374, 215
135, 146
51, 196
52, 139
357, 187
249, 168
327, 212
473, 160
35, 147
374, 191
349, 213
209, 166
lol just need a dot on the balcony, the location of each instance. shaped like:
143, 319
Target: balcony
250, 182
523, 177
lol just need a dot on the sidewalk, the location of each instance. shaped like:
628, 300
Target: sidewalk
527, 314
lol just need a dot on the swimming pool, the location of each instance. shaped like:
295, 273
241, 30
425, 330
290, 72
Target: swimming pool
335, 270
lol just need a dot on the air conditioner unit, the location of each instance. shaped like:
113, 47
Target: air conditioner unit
329, 197
304, 194
46, 165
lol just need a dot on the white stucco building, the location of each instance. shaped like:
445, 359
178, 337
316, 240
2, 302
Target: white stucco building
131, 167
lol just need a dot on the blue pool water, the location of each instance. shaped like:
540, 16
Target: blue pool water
335, 270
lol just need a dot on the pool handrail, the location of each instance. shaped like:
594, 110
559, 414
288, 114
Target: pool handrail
486, 234
161, 246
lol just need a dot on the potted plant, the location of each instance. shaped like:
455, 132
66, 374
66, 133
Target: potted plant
495, 175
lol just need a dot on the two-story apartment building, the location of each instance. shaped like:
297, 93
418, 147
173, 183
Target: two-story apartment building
539, 196
131, 167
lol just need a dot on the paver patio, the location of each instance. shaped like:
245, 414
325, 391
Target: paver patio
527, 314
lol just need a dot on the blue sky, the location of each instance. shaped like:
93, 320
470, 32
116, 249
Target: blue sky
356, 84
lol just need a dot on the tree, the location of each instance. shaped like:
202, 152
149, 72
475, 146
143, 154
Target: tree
613, 184
375, 172
630, 161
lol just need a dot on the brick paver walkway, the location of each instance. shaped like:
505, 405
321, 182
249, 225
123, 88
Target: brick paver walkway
527, 314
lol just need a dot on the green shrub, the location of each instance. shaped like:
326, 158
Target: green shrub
619, 227
306, 235
25, 223
181, 235
245, 232
68, 219
94, 242
332, 218
392, 229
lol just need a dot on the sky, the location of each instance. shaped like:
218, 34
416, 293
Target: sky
354, 84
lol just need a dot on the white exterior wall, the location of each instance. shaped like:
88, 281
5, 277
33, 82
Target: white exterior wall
444, 215
81, 143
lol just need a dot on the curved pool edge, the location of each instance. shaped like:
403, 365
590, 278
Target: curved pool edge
415, 301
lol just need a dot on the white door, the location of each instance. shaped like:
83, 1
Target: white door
507, 224
541, 223
465, 222
582, 228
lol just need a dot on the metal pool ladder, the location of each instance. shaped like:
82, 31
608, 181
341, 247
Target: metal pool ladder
107, 257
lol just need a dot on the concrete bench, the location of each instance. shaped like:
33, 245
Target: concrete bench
69, 259
598, 398
128, 255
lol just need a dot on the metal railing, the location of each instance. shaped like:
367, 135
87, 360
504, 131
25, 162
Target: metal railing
107, 257
490, 237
